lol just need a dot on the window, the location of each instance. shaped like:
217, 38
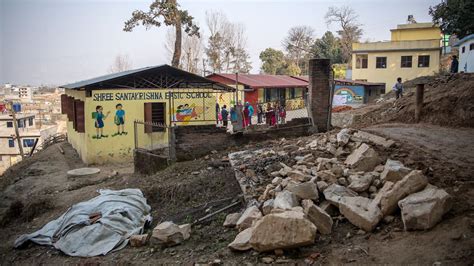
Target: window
406, 61
28, 142
471, 46
11, 143
463, 49
381, 62
292, 93
362, 61
155, 113
9, 124
30, 121
423, 61
21, 123
79, 116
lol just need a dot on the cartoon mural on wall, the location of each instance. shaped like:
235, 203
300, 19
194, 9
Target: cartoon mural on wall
348, 95
186, 112
99, 117
119, 120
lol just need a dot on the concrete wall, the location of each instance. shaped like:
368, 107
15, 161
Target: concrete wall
466, 59
195, 141
418, 31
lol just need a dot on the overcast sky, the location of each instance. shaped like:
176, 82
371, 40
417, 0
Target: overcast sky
60, 41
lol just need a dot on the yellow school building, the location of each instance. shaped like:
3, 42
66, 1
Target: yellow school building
413, 51
101, 111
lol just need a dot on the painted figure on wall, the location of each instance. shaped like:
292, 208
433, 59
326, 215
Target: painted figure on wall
184, 113
99, 117
120, 120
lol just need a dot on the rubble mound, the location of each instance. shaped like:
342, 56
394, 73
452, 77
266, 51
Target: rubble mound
447, 102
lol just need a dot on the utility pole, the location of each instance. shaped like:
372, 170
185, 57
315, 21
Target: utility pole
17, 133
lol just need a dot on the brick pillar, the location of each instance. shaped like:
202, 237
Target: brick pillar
320, 92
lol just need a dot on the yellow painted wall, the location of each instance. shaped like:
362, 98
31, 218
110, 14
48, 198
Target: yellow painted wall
228, 98
389, 75
117, 148
410, 33
78, 140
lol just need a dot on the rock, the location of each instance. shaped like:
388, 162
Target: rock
285, 200
306, 190
372, 189
377, 183
343, 136
195, 173
391, 193
171, 234
268, 206
276, 181
377, 140
337, 170
242, 240
279, 252
329, 208
267, 260
138, 240
318, 217
342, 181
283, 230
424, 209
335, 192
298, 175
266, 194
388, 219
231, 219
322, 185
363, 158
285, 169
360, 212
328, 176
275, 174
361, 183
379, 168
394, 171
250, 215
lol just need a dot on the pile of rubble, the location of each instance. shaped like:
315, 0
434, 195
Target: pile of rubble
294, 190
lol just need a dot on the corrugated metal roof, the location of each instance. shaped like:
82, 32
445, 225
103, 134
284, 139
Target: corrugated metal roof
191, 77
264, 81
356, 82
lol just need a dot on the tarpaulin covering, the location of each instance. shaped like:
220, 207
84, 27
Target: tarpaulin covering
123, 213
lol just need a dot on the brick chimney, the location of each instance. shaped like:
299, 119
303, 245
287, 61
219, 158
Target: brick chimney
320, 93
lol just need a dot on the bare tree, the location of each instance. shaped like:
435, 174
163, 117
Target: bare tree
350, 30
169, 11
121, 63
298, 45
191, 54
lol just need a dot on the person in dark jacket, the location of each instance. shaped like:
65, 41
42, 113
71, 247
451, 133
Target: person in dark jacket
224, 115
454, 64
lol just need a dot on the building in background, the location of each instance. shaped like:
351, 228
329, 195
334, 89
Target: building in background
466, 54
25, 94
413, 51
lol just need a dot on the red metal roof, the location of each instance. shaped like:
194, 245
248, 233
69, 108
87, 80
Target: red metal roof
263, 81
356, 82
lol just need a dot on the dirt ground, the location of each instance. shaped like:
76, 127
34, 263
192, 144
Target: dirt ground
38, 190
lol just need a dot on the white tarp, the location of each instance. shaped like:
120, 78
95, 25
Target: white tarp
339, 100
124, 213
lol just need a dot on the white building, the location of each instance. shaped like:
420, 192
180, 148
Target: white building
466, 54
25, 93
29, 133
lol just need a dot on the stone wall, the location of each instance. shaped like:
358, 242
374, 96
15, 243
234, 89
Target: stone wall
148, 163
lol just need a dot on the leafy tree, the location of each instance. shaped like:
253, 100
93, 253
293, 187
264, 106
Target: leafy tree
454, 17
272, 61
350, 30
329, 47
292, 69
298, 45
169, 12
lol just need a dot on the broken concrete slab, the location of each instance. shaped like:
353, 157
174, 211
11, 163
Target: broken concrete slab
424, 209
377, 140
322, 185
285, 200
306, 190
343, 136
170, 234
327, 176
361, 183
394, 171
288, 229
231, 219
321, 219
242, 240
138, 240
391, 193
268, 206
360, 212
335, 192
298, 175
250, 215
363, 158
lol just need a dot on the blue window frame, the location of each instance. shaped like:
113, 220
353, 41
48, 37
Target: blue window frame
28, 142
11, 143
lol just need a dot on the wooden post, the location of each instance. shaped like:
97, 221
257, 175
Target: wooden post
419, 101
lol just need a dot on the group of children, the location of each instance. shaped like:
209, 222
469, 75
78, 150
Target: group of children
241, 115
119, 121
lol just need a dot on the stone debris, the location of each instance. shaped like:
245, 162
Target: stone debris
424, 209
297, 187
138, 240
250, 215
394, 171
231, 219
363, 158
170, 234
321, 219
288, 229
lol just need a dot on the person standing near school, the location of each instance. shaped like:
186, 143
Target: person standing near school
259, 113
246, 115
251, 112
224, 115
398, 88
454, 64
120, 119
